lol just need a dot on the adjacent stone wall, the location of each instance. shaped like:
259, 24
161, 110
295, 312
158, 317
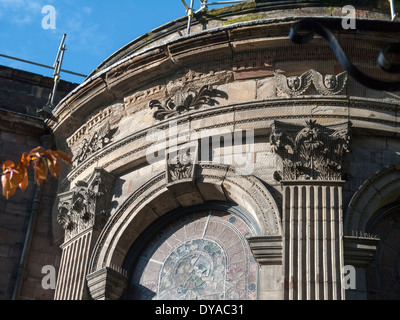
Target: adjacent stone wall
21, 130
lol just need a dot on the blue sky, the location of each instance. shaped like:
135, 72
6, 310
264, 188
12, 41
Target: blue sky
95, 29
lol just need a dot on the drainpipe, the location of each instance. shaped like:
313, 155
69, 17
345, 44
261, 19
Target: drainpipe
28, 237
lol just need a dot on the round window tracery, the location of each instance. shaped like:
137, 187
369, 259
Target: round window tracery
202, 255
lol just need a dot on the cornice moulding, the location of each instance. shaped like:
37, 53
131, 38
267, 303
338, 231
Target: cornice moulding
251, 121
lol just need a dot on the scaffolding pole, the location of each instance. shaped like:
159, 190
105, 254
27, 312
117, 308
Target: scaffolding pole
42, 65
47, 110
392, 10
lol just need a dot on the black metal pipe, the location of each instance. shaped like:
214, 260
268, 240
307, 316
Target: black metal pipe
304, 30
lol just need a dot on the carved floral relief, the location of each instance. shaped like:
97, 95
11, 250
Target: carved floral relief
86, 204
185, 101
313, 152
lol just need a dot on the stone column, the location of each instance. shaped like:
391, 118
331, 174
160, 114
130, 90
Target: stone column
312, 240
83, 212
267, 250
311, 179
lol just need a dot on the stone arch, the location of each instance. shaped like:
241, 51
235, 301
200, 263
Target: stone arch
375, 193
200, 228
156, 197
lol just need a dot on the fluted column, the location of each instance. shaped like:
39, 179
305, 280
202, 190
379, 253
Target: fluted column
311, 176
312, 240
83, 211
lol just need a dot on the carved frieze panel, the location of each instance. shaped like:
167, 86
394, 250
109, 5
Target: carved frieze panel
96, 133
310, 152
325, 85
197, 79
96, 141
142, 95
86, 205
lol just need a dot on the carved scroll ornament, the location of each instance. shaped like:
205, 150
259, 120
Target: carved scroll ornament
183, 102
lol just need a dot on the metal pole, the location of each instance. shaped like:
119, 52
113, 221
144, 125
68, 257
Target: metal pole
392, 10
190, 16
204, 5
47, 110
42, 65
226, 2
57, 68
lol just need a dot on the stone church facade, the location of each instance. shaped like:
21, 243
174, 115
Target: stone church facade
232, 164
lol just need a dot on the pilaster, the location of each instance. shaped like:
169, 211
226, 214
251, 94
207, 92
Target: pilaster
83, 211
312, 240
312, 217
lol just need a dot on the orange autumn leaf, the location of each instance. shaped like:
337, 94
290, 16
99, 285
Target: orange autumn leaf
22, 169
52, 163
40, 167
37, 157
43, 162
10, 179
37, 153
8, 166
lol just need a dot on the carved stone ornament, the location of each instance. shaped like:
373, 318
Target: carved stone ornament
297, 85
294, 85
183, 102
85, 205
181, 163
312, 152
99, 138
329, 84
